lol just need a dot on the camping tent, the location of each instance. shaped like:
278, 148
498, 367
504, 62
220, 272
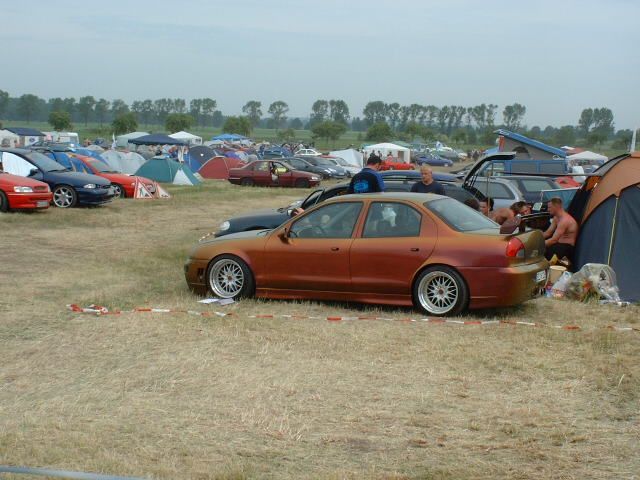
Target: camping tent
125, 162
28, 136
606, 209
156, 139
587, 156
218, 167
198, 156
229, 137
403, 154
351, 156
163, 169
122, 141
187, 137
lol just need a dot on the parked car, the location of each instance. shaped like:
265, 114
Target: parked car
272, 218
424, 250
336, 170
303, 165
531, 187
433, 160
503, 192
270, 173
123, 184
350, 170
69, 188
303, 152
20, 193
416, 175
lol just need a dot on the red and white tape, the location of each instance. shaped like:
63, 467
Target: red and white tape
99, 310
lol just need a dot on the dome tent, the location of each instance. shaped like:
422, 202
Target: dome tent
187, 137
165, 170
218, 167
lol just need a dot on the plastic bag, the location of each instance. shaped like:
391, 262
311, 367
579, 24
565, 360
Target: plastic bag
559, 288
594, 281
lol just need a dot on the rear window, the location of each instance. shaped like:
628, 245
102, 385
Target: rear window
534, 185
493, 190
553, 168
524, 167
458, 216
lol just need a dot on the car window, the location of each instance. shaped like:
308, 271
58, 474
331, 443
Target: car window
524, 167
534, 185
456, 192
553, 168
261, 167
12, 163
492, 169
312, 199
458, 216
391, 219
493, 190
337, 220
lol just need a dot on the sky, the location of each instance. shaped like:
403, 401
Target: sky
554, 56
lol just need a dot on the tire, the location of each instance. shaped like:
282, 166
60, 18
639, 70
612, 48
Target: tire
4, 203
302, 183
230, 277
64, 196
247, 182
119, 191
440, 291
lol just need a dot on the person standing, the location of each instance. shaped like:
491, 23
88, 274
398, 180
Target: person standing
368, 180
427, 184
560, 237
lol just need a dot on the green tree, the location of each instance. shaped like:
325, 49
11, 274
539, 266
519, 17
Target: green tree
565, 136
146, 112
603, 121
124, 123
119, 107
392, 114
319, 112
339, 111
374, 112
60, 120
217, 119
176, 122
179, 105
296, 124
28, 106
161, 108
239, 125
329, 130
195, 110
585, 121
101, 108
512, 116
85, 107
278, 111
459, 136
4, 102
253, 111
69, 105
379, 132
287, 135
415, 130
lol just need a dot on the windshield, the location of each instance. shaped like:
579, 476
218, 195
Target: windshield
312, 199
101, 166
321, 161
458, 216
44, 163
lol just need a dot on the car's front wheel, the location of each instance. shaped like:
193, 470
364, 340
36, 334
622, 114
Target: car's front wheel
4, 203
441, 291
118, 191
64, 196
230, 277
302, 183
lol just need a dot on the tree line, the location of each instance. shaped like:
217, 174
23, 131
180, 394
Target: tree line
328, 118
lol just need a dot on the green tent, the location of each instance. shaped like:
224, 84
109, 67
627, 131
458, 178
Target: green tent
165, 170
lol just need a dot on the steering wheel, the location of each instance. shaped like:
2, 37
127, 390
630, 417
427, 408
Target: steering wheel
317, 229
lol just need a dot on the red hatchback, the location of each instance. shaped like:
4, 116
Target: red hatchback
123, 184
271, 173
17, 193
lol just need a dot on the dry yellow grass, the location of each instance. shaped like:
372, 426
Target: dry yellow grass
179, 396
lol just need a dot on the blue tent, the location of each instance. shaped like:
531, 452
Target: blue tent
156, 139
229, 137
89, 153
66, 161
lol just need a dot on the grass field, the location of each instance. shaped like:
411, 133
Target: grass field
173, 396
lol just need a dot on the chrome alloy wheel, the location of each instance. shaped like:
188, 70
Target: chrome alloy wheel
63, 197
226, 278
438, 293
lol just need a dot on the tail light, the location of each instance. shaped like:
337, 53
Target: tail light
515, 248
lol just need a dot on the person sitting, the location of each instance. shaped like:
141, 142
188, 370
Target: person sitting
503, 214
560, 237
428, 184
486, 207
368, 180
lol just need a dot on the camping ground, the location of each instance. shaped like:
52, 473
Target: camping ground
179, 396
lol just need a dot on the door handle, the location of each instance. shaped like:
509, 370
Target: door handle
335, 249
415, 249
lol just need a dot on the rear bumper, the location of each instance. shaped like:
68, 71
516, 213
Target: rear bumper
504, 287
94, 196
21, 201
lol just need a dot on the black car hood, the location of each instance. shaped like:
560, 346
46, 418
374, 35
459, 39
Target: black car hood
75, 179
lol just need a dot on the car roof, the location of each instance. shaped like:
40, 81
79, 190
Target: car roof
404, 196
17, 151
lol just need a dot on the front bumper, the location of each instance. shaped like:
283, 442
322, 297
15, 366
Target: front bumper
505, 287
195, 271
95, 196
21, 201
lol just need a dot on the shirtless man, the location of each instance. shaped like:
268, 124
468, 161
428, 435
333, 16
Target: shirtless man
503, 214
560, 238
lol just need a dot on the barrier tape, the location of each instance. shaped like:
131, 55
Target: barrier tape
98, 310
45, 472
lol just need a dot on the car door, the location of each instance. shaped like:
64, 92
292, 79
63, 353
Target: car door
283, 173
262, 173
395, 242
315, 255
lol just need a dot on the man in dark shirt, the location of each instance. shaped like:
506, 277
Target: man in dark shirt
368, 180
428, 184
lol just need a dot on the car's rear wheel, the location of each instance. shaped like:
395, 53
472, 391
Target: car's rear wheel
118, 190
230, 277
441, 291
64, 196
302, 183
247, 182
4, 203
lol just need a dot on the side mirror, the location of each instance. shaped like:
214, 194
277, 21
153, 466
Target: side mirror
284, 235
33, 171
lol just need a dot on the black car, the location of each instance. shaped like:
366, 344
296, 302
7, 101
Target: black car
336, 171
272, 218
303, 165
69, 188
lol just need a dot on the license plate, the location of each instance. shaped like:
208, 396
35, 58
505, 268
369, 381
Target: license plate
541, 276
42, 204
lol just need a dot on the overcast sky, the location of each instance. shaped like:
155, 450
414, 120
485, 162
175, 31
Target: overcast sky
554, 56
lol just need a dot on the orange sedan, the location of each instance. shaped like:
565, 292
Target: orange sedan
425, 250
